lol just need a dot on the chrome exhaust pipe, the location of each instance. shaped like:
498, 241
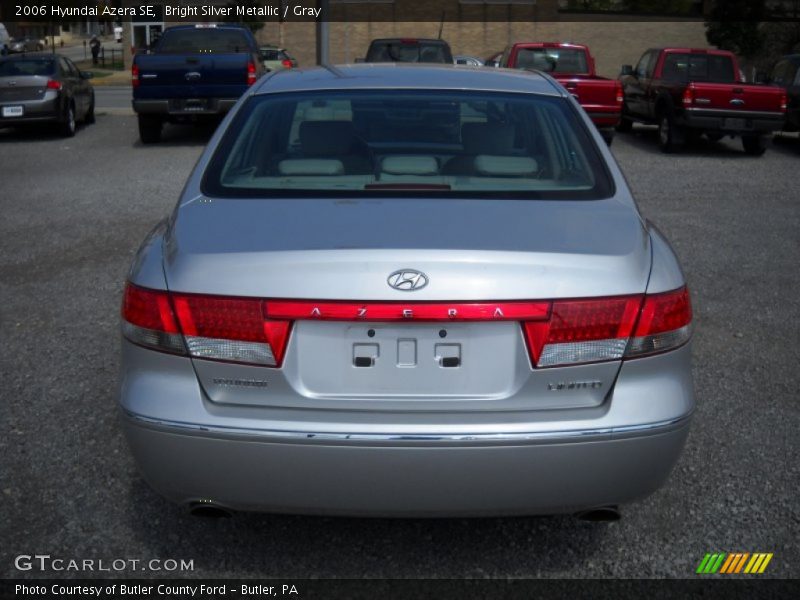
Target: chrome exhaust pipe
209, 510
601, 514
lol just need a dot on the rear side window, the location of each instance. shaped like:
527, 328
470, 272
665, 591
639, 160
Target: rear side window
21, 68
698, 67
555, 60
203, 41
384, 143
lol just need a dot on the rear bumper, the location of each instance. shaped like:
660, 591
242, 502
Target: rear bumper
604, 118
215, 106
34, 111
722, 120
391, 477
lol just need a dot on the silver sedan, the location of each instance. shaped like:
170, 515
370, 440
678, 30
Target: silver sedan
406, 290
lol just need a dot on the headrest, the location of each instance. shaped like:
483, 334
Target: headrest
410, 165
505, 166
487, 138
326, 138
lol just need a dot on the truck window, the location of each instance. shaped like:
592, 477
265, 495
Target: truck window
552, 60
698, 67
644, 70
203, 41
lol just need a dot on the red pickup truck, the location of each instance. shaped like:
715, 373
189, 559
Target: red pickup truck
573, 67
689, 91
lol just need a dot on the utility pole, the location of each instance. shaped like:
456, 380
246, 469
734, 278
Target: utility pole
323, 33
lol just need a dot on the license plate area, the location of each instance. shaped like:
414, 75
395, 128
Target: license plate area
190, 105
13, 111
735, 124
409, 360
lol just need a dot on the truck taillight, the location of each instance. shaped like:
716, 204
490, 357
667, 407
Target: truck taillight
135, 76
688, 95
211, 327
251, 73
52, 84
620, 93
784, 102
595, 330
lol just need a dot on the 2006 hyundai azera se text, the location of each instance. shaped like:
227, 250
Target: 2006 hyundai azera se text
406, 290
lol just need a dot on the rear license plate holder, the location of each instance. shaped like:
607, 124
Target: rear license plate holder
734, 124
13, 111
195, 105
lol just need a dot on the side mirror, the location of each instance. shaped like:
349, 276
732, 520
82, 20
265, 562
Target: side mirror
626, 70
87, 75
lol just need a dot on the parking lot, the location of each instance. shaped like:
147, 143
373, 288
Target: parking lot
75, 210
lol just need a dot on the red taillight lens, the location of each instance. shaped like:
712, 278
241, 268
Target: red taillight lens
784, 102
665, 323
217, 328
52, 84
688, 95
620, 94
251, 73
583, 331
287, 63
148, 320
135, 76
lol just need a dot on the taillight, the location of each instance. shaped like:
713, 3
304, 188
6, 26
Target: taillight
620, 93
784, 102
287, 63
135, 76
212, 327
251, 73
52, 84
581, 331
688, 95
665, 323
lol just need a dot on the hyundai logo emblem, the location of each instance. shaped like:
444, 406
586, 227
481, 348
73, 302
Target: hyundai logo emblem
408, 280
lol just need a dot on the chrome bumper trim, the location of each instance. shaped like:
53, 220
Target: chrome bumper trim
532, 436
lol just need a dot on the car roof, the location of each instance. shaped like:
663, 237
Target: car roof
408, 76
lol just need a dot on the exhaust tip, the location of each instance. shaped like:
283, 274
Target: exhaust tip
601, 514
209, 510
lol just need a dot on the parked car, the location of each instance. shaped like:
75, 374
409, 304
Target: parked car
572, 65
276, 59
406, 292
415, 50
44, 88
194, 71
493, 60
690, 91
5, 39
786, 75
471, 61
25, 44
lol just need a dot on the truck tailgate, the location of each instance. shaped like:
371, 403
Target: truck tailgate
192, 75
736, 97
600, 98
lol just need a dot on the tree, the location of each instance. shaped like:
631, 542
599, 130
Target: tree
736, 25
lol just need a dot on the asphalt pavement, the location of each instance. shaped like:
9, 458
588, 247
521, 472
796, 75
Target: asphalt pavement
75, 210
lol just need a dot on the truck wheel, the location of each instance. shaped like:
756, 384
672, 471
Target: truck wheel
670, 136
754, 145
150, 129
625, 125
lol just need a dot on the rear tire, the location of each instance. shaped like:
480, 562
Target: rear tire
150, 129
670, 136
68, 125
754, 145
89, 118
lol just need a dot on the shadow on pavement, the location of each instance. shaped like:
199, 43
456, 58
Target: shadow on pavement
646, 140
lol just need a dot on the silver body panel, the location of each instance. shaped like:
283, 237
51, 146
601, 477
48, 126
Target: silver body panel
406, 437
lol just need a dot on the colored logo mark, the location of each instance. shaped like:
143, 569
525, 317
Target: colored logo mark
735, 562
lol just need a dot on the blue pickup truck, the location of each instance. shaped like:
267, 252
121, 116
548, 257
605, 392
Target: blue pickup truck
194, 71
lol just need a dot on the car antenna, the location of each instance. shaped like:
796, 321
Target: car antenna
441, 25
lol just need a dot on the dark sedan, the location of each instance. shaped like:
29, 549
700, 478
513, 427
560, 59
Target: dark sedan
37, 88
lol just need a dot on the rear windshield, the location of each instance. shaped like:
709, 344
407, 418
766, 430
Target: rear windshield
203, 41
409, 51
268, 54
22, 67
698, 67
459, 144
552, 60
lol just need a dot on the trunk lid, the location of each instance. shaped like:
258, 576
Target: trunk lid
22, 88
469, 251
